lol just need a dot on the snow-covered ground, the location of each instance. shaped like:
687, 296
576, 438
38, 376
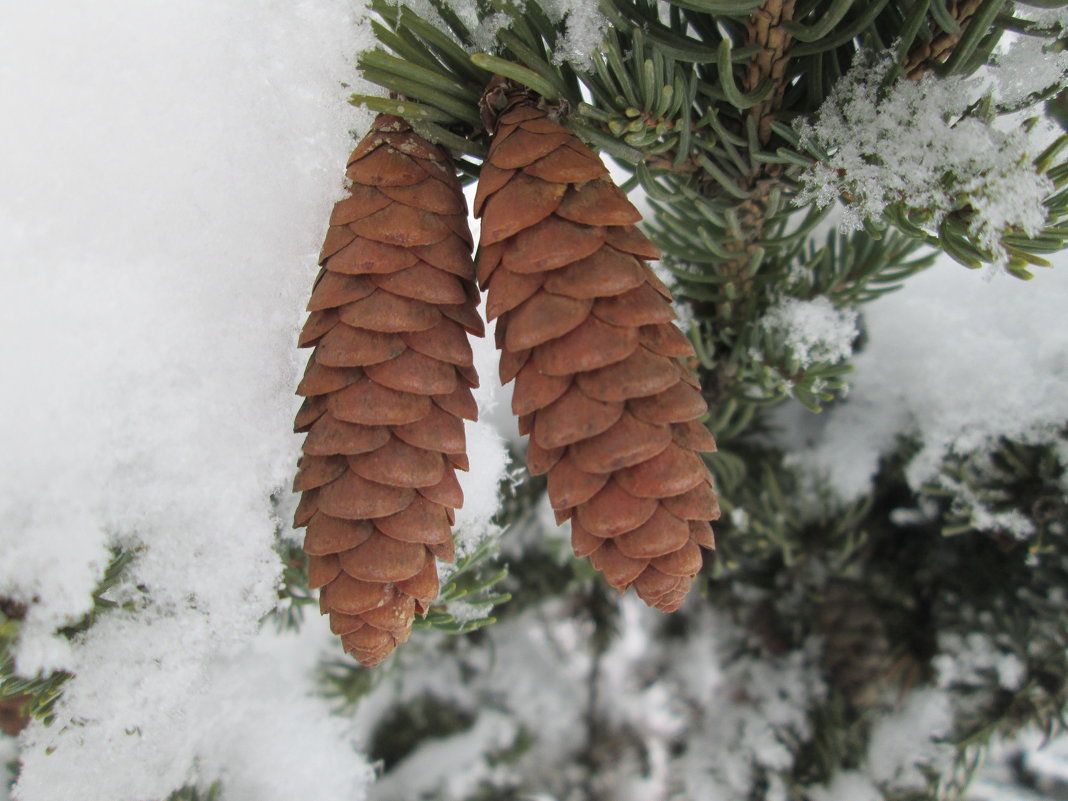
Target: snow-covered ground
167, 170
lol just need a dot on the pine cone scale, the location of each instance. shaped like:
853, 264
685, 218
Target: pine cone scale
361, 256
575, 416
519, 146
414, 373
318, 325
399, 464
329, 435
613, 511
670, 473
607, 272
543, 317
352, 597
319, 380
661, 534
628, 442
457, 403
683, 562
521, 203
554, 242
322, 570
638, 375
355, 498
592, 345
619, 570
315, 471
598, 202
334, 535
437, 198
421, 521
344, 346
510, 290
536, 390
667, 340
566, 165
384, 166
436, 431
334, 290
424, 283
389, 313
361, 202
383, 559
368, 403
490, 179
569, 486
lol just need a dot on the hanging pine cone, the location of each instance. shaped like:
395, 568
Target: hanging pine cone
585, 329
387, 389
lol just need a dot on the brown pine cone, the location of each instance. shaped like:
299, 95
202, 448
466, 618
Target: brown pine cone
387, 389
585, 328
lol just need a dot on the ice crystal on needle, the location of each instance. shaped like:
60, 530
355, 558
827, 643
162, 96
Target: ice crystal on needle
814, 329
919, 144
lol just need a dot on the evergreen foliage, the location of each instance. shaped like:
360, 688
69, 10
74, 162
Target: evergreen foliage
960, 584
35, 696
468, 592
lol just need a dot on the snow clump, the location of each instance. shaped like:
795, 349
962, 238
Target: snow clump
919, 143
814, 330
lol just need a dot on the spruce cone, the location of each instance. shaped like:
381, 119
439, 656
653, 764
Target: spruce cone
585, 328
387, 389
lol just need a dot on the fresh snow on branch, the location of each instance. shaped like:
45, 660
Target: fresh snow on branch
584, 25
921, 144
584, 30
813, 330
956, 363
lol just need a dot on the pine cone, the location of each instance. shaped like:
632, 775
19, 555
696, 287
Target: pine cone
387, 389
585, 328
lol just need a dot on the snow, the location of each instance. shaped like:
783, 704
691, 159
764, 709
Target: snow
743, 715
9, 753
488, 456
584, 26
692, 717
907, 738
415, 776
533, 674
1027, 767
962, 660
1049, 761
847, 785
955, 361
1029, 64
918, 143
1045, 16
224, 715
167, 180
584, 30
814, 330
